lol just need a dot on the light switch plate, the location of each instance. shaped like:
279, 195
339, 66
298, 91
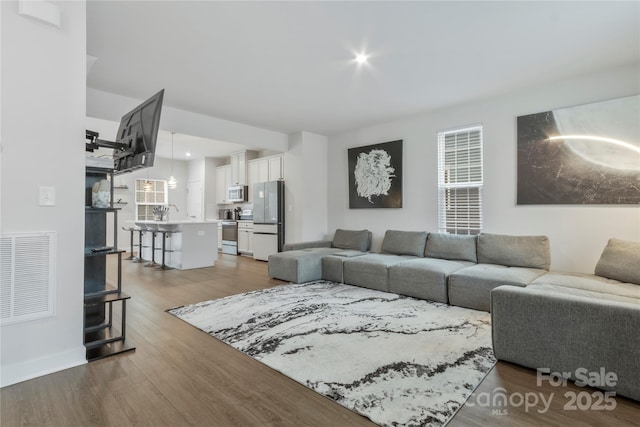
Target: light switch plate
47, 196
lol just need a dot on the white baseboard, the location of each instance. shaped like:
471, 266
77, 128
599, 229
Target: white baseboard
23, 371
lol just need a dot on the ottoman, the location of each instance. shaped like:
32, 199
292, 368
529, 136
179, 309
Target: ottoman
299, 266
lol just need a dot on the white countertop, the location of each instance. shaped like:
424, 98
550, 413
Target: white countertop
176, 225
170, 222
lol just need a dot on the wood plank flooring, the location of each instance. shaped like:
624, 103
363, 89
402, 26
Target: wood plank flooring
179, 376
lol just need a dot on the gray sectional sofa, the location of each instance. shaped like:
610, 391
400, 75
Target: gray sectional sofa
461, 270
576, 323
561, 322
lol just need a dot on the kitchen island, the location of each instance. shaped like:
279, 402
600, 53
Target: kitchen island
189, 244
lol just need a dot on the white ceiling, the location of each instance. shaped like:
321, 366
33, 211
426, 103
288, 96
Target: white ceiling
288, 66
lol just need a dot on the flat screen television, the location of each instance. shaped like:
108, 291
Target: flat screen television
137, 134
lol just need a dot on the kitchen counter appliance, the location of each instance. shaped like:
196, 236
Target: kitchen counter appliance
230, 237
268, 219
238, 193
246, 215
236, 213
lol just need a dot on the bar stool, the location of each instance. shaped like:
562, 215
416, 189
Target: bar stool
131, 230
143, 229
165, 234
152, 263
140, 246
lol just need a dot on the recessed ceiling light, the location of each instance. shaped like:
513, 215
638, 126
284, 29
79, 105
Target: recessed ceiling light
362, 58
187, 154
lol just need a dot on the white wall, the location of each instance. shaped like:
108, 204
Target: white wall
196, 180
577, 233
305, 187
43, 114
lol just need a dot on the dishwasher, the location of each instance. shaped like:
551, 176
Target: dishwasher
230, 237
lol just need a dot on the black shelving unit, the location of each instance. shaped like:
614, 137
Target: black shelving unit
102, 337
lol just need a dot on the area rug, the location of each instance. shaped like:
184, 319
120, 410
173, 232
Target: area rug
397, 360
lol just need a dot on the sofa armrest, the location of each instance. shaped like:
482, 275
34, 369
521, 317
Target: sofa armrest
538, 328
306, 245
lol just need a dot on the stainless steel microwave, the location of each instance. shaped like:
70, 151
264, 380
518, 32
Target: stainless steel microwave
238, 193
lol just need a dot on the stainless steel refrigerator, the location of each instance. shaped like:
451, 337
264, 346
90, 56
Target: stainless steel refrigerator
268, 219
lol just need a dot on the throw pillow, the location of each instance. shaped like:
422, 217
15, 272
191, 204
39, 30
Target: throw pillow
620, 260
359, 240
404, 242
514, 251
451, 246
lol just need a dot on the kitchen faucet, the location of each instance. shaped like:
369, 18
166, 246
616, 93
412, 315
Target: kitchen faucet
161, 213
167, 212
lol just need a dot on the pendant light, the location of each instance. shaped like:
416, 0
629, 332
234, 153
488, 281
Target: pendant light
148, 185
172, 181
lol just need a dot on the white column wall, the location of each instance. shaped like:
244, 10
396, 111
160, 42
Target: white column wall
43, 123
305, 170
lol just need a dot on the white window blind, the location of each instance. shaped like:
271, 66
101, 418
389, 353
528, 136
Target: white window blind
147, 199
460, 181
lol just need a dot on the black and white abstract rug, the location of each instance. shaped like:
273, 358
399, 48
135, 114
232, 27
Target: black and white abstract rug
397, 360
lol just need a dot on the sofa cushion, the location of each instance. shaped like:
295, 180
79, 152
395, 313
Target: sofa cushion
332, 265
514, 251
616, 295
589, 283
404, 242
359, 240
424, 278
451, 246
471, 286
620, 260
371, 270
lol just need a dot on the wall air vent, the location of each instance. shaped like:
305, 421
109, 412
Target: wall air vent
27, 276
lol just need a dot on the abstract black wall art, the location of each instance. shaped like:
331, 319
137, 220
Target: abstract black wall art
375, 176
589, 154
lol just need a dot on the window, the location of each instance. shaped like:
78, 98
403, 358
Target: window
460, 181
146, 200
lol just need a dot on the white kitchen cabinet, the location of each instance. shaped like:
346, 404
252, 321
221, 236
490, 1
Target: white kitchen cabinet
238, 163
223, 180
252, 176
237, 169
276, 168
263, 170
219, 236
258, 172
267, 168
245, 237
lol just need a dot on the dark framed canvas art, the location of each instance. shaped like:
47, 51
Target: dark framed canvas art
375, 176
589, 154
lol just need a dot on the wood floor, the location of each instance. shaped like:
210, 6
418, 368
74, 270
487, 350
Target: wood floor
179, 376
